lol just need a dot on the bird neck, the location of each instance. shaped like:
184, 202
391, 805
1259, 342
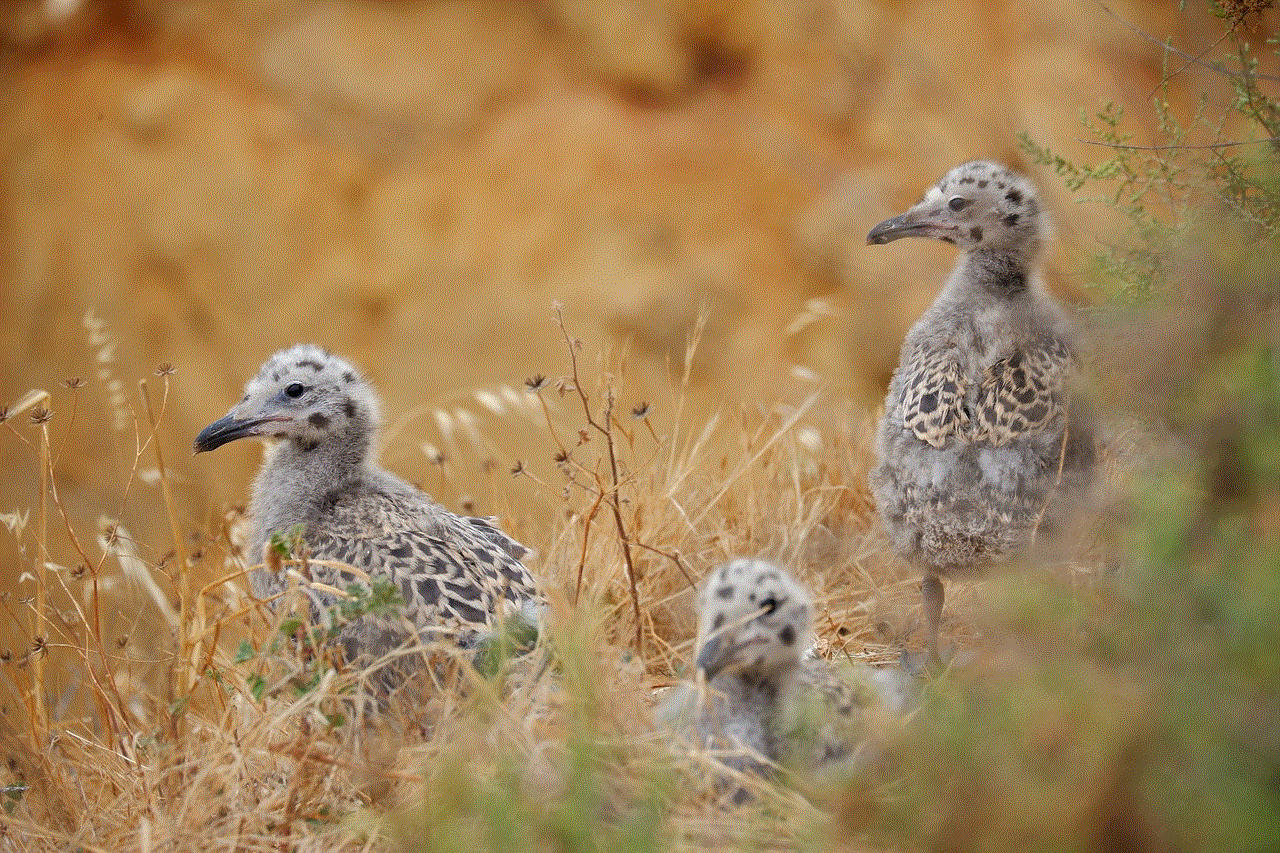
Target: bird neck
296, 479
772, 684
997, 272
336, 457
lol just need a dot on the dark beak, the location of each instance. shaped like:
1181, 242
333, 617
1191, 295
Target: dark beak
904, 225
228, 429
711, 657
716, 654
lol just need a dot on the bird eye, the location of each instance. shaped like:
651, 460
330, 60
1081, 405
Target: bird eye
769, 605
958, 203
294, 390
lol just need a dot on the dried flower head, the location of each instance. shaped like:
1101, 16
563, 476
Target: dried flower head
536, 382
164, 368
41, 415
518, 468
641, 411
74, 383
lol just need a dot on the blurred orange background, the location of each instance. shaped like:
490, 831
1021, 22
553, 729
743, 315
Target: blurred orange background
415, 184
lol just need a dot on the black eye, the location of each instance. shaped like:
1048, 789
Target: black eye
958, 203
769, 605
294, 390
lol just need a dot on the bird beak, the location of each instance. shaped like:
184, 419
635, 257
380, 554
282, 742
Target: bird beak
908, 224
718, 652
713, 656
230, 428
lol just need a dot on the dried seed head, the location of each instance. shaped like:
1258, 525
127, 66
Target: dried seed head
74, 383
468, 504
536, 382
41, 415
561, 456
641, 411
518, 468
164, 368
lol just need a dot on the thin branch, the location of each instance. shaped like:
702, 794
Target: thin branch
1164, 45
1273, 140
614, 503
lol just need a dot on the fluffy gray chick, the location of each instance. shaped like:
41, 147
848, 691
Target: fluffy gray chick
320, 488
763, 702
978, 430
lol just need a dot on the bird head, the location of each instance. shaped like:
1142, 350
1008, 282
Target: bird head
753, 619
303, 394
977, 205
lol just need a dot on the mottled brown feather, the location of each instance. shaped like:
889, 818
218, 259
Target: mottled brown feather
1024, 392
933, 397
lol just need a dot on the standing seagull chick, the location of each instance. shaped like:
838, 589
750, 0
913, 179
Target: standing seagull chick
457, 575
764, 703
978, 432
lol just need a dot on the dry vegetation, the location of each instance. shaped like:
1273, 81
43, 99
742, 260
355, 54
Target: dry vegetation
152, 712
1129, 702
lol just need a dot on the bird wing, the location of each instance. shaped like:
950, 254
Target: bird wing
488, 525
933, 396
1024, 392
451, 572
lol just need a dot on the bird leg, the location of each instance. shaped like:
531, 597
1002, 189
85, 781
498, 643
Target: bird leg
932, 593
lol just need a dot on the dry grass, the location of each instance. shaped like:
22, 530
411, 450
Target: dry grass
155, 706
147, 703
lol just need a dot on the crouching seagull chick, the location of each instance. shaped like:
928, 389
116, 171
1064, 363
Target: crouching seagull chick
979, 433
760, 702
320, 493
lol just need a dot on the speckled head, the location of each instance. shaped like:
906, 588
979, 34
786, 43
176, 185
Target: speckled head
977, 205
303, 394
753, 619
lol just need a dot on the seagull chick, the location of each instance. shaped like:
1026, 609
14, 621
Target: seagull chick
978, 432
320, 492
763, 702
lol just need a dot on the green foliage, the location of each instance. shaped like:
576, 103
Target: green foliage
1218, 161
590, 791
503, 813
305, 649
286, 543
1149, 717
516, 636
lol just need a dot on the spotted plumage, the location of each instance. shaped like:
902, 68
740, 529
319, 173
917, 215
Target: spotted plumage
979, 431
320, 493
760, 702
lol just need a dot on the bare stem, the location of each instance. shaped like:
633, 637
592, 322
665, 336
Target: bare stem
39, 713
184, 574
614, 503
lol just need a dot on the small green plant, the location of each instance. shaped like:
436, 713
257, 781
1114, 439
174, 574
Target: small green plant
1218, 161
306, 648
1141, 712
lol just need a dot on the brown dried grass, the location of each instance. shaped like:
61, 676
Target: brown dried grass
148, 711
